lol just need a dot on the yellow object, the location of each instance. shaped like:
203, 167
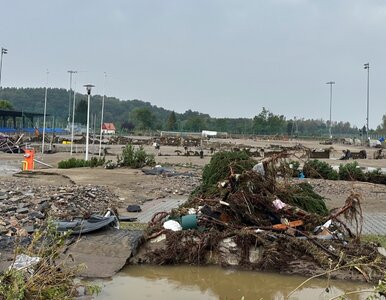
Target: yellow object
24, 165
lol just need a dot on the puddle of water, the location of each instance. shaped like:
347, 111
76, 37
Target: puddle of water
214, 283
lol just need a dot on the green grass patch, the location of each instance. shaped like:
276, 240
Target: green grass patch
133, 226
375, 238
81, 163
135, 158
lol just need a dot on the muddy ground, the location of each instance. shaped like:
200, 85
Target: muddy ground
133, 186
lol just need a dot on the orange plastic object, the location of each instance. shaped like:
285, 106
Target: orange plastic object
290, 224
29, 155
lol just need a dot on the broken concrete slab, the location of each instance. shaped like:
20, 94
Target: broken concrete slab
7, 246
105, 252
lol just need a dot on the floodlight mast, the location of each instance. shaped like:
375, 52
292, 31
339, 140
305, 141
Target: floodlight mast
3, 51
88, 88
103, 108
330, 127
69, 97
367, 67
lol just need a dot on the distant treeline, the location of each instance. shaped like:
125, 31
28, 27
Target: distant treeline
137, 115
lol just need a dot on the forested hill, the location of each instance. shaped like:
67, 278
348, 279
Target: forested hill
133, 115
32, 100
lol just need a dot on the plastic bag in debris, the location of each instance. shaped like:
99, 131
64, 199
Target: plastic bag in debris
278, 204
323, 229
172, 225
327, 224
23, 261
259, 168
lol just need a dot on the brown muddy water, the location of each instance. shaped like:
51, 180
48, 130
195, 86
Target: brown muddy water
214, 283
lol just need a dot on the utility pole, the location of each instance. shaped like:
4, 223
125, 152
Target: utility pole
330, 83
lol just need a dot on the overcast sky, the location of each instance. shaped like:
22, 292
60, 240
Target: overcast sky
228, 58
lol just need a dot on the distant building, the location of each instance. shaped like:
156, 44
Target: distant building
108, 128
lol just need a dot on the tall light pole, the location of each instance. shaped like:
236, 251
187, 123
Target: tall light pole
73, 117
69, 97
44, 114
367, 67
103, 107
3, 51
88, 88
330, 83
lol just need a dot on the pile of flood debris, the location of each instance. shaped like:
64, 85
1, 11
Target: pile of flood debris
169, 140
123, 140
10, 144
259, 221
24, 207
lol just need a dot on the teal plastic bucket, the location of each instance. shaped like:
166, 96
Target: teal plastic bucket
189, 222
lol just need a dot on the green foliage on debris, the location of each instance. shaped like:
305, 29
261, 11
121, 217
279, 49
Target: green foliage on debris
303, 196
135, 158
376, 176
80, 163
222, 164
351, 172
374, 238
51, 277
319, 169
289, 168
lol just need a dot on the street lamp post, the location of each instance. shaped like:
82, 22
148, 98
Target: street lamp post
367, 67
330, 83
3, 51
88, 88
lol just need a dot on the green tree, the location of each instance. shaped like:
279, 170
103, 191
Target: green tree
382, 127
143, 118
195, 124
171, 123
260, 122
268, 123
81, 112
6, 105
276, 124
127, 126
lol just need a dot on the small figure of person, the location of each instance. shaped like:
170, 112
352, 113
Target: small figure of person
36, 132
346, 155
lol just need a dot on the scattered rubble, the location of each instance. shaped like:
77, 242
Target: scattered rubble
24, 208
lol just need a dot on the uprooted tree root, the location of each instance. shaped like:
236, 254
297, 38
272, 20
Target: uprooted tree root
278, 250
